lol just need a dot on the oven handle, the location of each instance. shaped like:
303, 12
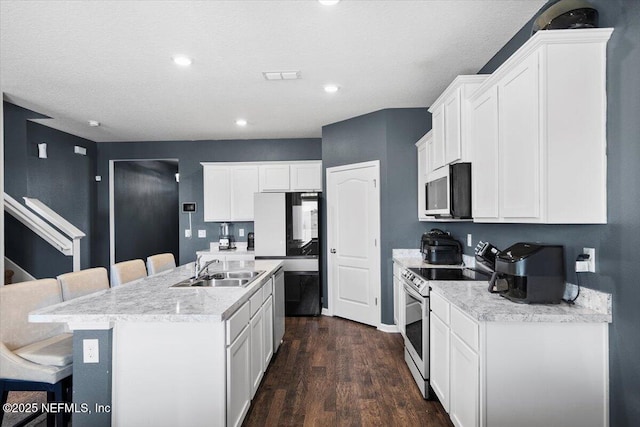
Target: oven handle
408, 289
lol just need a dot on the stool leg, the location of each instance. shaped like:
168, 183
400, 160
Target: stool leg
51, 419
5, 396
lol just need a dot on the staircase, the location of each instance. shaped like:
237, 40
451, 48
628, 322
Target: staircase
47, 224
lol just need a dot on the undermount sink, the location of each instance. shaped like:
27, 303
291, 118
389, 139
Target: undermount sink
235, 279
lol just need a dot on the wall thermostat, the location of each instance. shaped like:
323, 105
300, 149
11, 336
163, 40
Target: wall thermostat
189, 207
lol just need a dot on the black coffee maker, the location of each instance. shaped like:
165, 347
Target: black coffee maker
532, 273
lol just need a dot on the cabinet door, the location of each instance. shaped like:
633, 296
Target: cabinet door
439, 359
268, 331
244, 183
452, 130
464, 385
518, 96
396, 300
217, 192
274, 177
422, 177
402, 313
257, 350
484, 141
306, 176
438, 120
238, 379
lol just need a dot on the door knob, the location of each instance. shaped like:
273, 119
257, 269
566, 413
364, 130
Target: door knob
333, 251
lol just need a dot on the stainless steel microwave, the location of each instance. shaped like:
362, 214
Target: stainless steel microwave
448, 191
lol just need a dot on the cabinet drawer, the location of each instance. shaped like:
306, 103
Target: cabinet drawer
237, 322
464, 327
256, 301
440, 307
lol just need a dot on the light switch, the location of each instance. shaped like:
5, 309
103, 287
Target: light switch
202, 234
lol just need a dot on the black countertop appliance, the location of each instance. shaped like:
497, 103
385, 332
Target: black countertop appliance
439, 247
534, 273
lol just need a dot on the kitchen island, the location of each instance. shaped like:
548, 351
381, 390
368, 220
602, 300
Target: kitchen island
170, 356
494, 362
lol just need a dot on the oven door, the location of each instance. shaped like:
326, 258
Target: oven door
416, 317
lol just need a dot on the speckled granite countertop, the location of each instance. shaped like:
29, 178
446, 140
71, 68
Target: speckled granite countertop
474, 299
152, 299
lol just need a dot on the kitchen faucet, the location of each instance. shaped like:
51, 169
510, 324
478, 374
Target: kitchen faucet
199, 269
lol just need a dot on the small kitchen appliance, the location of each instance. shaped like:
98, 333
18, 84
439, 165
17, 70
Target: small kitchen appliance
250, 241
439, 247
534, 273
226, 240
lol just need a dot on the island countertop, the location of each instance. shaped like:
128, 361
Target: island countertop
152, 299
475, 300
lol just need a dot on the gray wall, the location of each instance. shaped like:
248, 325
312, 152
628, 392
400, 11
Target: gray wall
63, 181
388, 136
189, 155
618, 241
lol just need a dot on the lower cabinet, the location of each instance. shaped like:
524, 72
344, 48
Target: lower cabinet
250, 329
464, 384
517, 373
238, 378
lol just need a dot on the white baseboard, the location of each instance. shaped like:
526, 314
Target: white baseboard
19, 274
326, 312
390, 329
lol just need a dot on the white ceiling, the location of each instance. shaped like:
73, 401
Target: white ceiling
110, 61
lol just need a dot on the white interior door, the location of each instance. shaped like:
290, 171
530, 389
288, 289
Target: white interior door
353, 231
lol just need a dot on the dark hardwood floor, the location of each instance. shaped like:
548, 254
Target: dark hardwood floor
334, 372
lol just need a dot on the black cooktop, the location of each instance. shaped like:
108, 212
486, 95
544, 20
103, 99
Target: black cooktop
449, 274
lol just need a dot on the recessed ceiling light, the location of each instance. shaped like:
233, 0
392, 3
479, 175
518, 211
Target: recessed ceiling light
241, 122
182, 60
331, 88
94, 123
328, 2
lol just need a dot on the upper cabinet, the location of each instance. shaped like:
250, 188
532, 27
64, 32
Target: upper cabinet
423, 151
450, 117
228, 191
538, 132
291, 176
229, 187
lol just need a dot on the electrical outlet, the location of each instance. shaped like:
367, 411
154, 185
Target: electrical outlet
592, 258
241, 232
469, 240
202, 234
90, 351
187, 234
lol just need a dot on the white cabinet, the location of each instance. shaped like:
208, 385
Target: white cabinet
268, 331
261, 326
399, 300
439, 353
228, 191
422, 148
238, 367
482, 371
438, 146
274, 177
306, 176
485, 156
540, 122
450, 122
465, 385
291, 176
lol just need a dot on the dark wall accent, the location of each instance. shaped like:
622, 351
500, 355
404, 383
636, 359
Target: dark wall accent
618, 241
189, 155
92, 381
388, 136
146, 209
63, 181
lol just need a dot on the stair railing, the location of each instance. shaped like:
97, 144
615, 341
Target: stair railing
39, 219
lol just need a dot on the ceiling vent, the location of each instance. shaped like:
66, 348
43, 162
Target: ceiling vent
281, 75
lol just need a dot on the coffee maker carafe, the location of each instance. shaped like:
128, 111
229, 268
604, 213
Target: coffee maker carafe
530, 273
